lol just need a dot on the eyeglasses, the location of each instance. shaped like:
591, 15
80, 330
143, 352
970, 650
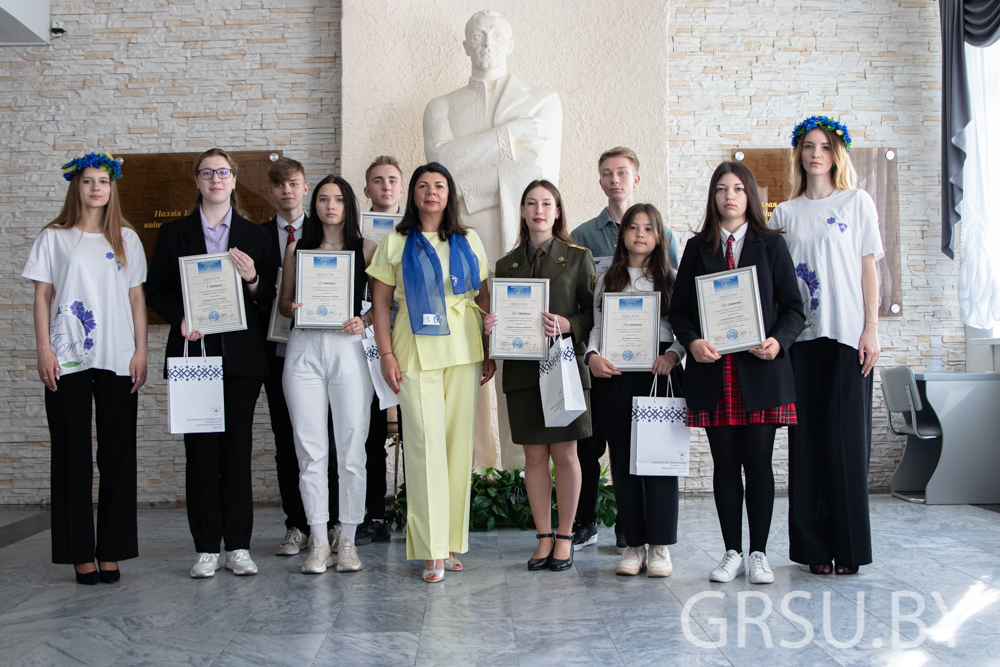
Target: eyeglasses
206, 174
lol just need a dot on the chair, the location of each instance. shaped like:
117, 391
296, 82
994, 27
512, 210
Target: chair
922, 431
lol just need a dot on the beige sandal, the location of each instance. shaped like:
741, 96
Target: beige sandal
453, 564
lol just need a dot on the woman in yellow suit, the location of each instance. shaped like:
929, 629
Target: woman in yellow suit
436, 270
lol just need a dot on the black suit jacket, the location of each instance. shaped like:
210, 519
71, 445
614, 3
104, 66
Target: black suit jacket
264, 316
765, 384
242, 352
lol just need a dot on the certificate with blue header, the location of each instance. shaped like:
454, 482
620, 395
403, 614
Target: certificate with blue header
324, 285
519, 304
729, 309
213, 293
374, 225
630, 329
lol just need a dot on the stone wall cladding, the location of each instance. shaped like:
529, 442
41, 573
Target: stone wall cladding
160, 76
744, 72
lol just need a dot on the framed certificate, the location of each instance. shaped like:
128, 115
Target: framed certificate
324, 285
630, 329
376, 225
602, 264
729, 309
280, 326
212, 293
519, 305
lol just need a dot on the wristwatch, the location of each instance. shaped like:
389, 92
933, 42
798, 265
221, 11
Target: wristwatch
586, 357
251, 282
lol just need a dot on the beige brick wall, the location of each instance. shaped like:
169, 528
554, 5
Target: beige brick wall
161, 76
173, 76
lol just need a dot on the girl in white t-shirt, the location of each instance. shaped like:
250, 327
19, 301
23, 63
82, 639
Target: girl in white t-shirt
88, 267
832, 233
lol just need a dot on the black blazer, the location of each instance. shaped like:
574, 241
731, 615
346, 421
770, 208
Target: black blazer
765, 384
242, 352
264, 315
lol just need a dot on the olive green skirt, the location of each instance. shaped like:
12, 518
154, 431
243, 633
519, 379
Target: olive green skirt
527, 422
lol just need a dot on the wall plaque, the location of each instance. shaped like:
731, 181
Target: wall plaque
876, 176
159, 187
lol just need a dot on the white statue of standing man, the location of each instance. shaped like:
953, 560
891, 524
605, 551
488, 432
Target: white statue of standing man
495, 135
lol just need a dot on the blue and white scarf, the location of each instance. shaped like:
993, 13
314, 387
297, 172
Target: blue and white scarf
424, 284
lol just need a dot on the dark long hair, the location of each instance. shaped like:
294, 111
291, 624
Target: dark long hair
450, 223
710, 229
312, 228
617, 278
559, 229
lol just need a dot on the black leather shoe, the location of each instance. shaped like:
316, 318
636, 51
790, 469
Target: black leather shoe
372, 531
535, 564
557, 565
584, 535
87, 578
620, 545
110, 576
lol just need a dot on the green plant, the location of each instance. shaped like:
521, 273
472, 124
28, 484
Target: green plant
607, 507
395, 515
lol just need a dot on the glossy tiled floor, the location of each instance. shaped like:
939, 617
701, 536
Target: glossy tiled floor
496, 612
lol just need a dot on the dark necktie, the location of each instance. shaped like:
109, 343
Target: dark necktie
536, 270
730, 261
291, 233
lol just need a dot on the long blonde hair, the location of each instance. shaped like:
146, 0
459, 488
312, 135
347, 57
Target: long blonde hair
842, 173
72, 214
234, 198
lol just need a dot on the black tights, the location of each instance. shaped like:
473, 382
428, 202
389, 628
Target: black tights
748, 447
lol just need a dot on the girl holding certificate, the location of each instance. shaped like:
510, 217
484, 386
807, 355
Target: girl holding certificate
90, 329
218, 481
833, 236
742, 398
325, 370
434, 360
545, 250
647, 505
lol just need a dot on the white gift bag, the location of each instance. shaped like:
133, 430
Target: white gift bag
559, 383
661, 443
195, 402
386, 396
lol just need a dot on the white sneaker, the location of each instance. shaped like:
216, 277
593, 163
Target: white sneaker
206, 566
333, 535
294, 542
239, 562
631, 561
730, 567
760, 571
658, 561
347, 556
320, 557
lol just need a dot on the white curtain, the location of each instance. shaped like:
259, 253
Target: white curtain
979, 275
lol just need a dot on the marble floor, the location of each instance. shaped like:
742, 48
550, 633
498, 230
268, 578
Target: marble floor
931, 598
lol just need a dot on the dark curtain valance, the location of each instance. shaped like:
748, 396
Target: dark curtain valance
978, 23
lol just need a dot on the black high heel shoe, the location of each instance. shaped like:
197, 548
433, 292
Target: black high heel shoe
87, 578
109, 576
558, 564
535, 564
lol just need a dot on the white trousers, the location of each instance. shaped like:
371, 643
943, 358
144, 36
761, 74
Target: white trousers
327, 369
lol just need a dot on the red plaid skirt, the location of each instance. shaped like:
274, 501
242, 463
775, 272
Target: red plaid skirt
731, 411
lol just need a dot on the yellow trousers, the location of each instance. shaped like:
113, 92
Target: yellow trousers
438, 409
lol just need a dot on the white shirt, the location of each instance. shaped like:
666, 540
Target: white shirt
283, 235
738, 236
639, 282
90, 323
827, 239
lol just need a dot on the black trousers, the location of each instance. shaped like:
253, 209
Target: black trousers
647, 505
378, 431
219, 483
828, 454
739, 450
589, 451
68, 410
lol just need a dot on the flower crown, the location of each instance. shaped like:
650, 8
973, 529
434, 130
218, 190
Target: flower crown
823, 122
102, 161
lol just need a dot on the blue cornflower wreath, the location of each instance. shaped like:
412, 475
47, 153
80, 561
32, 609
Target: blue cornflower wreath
103, 161
824, 122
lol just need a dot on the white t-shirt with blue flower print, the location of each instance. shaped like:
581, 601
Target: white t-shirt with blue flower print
827, 239
91, 318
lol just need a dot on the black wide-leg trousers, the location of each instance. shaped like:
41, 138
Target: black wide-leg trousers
647, 505
828, 452
219, 483
69, 414
589, 451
